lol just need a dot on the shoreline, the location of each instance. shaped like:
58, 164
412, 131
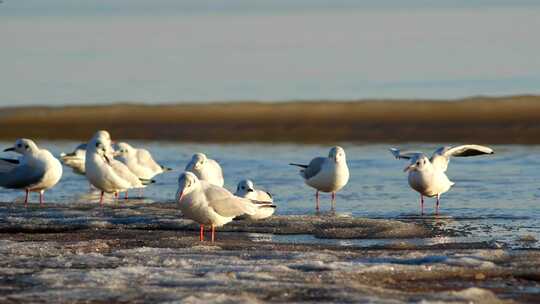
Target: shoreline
488, 120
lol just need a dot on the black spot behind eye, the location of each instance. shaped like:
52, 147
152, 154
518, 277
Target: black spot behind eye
19, 145
97, 145
243, 187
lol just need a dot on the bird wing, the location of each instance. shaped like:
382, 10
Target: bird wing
7, 164
398, 154
312, 169
21, 176
441, 156
225, 203
124, 173
145, 159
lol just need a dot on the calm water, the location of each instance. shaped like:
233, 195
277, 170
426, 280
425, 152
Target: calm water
171, 51
495, 197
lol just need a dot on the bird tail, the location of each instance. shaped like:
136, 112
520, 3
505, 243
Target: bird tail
298, 165
165, 169
147, 181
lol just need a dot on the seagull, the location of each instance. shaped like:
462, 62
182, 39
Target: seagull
326, 174
427, 175
210, 205
206, 169
75, 160
36, 171
246, 189
103, 171
139, 161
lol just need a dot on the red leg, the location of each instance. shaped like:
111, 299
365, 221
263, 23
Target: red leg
116, 194
201, 235
101, 199
317, 208
333, 201
126, 197
41, 198
213, 232
26, 199
437, 206
422, 203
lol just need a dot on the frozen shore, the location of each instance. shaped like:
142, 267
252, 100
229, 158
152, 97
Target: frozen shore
147, 253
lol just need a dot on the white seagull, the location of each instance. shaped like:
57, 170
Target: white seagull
103, 171
139, 161
246, 189
210, 205
75, 160
427, 175
206, 169
326, 174
36, 171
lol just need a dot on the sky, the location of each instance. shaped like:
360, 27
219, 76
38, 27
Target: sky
60, 52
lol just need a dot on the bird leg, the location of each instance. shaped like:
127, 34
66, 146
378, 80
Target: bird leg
422, 203
141, 192
317, 201
437, 205
116, 194
101, 199
213, 232
26, 199
201, 235
126, 197
41, 198
333, 201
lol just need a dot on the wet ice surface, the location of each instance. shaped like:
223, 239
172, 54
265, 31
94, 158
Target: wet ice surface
137, 251
483, 245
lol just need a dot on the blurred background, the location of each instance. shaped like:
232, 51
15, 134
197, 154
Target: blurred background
60, 52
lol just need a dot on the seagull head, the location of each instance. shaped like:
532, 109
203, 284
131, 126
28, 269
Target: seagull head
23, 146
420, 163
245, 186
197, 161
337, 153
187, 182
123, 149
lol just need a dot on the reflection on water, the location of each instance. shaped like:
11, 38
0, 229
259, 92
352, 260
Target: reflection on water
495, 197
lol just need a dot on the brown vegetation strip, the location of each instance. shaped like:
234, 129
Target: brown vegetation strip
513, 119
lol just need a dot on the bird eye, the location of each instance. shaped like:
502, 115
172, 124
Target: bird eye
418, 163
26, 147
19, 145
243, 187
97, 144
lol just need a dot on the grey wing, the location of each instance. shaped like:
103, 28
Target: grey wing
398, 154
314, 167
225, 203
441, 156
464, 150
7, 165
22, 176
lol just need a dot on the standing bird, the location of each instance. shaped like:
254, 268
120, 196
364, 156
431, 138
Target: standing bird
208, 204
206, 169
246, 189
36, 171
139, 161
427, 176
103, 171
75, 160
326, 174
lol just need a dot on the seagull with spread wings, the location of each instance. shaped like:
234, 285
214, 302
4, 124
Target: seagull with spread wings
428, 175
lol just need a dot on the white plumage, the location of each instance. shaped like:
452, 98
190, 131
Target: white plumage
36, 171
246, 189
208, 204
206, 169
428, 175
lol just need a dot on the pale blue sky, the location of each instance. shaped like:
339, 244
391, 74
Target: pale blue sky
157, 51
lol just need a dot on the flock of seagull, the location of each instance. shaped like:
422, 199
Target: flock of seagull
115, 168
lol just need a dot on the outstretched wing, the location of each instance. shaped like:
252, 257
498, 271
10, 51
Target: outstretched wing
441, 156
398, 154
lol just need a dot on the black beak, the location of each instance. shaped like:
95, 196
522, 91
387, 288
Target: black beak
9, 149
250, 190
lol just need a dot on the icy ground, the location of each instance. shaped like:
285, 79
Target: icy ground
147, 253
